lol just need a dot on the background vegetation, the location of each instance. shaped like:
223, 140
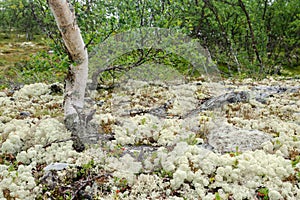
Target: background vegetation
244, 37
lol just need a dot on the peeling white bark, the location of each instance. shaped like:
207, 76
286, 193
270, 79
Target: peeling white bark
78, 73
77, 77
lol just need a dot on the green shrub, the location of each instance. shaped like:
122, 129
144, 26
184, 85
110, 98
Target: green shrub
42, 67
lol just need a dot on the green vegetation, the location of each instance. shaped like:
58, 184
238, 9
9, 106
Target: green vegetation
263, 193
245, 38
217, 196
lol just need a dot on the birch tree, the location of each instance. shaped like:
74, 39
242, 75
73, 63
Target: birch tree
75, 83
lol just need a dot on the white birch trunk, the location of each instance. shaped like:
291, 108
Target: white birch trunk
78, 73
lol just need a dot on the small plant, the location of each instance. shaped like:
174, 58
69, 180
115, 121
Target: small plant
295, 161
164, 174
121, 183
263, 193
298, 176
235, 153
85, 169
143, 121
217, 196
235, 164
191, 140
117, 151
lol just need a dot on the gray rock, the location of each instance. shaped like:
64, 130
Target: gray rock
57, 166
24, 114
261, 93
227, 138
219, 101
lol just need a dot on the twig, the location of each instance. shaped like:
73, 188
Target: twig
58, 141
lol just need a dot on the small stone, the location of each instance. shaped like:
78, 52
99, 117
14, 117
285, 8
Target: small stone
10, 93
24, 114
100, 103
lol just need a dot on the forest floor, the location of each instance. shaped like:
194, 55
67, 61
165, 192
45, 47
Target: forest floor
14, 49
156, 141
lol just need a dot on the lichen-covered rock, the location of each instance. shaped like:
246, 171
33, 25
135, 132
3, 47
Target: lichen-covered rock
227, 138
220, 101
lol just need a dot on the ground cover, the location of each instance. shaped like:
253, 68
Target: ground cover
145, 151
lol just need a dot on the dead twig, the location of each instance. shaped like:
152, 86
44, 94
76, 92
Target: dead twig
58, 141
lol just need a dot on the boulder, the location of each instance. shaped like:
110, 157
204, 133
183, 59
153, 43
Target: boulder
225, 138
